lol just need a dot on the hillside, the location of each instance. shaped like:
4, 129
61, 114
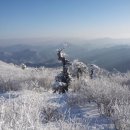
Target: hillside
27, 101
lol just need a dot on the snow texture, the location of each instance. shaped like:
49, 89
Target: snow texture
28, 103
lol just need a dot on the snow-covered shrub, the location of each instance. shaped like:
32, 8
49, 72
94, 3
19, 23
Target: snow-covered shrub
121, 114
14, 78
23, 66
21, 113
49, 114
76, 66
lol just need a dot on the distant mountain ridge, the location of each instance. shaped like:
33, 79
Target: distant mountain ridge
107, 55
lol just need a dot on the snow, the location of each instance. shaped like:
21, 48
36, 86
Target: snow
88, 113
37, 109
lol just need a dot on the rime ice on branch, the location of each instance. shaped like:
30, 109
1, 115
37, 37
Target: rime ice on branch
77, 69
62, 80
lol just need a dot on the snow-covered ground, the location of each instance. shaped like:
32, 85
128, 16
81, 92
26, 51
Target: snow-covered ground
52, 111
28, 103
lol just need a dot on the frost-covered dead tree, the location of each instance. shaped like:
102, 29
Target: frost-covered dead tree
62, 80
94, 71
75, 69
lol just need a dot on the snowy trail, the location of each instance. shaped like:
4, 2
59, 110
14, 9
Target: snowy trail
87, 113
90, 113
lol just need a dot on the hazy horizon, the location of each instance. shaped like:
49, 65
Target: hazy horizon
46, 40
83, 19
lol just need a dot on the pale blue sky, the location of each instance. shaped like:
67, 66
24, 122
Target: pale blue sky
64, 18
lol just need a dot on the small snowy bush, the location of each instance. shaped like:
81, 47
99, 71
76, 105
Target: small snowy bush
15, 78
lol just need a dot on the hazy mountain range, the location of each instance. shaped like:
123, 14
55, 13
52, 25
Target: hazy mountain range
107, 53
